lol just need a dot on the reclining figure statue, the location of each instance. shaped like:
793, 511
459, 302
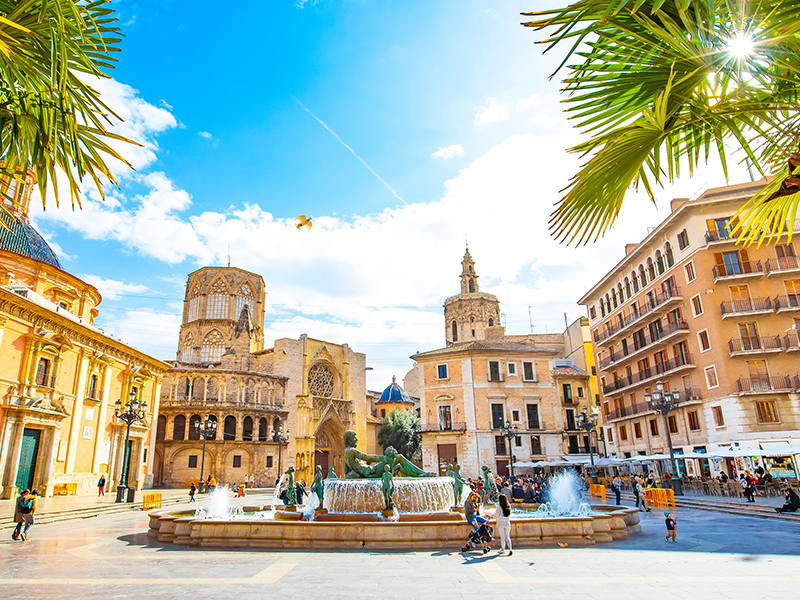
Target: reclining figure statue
358, 465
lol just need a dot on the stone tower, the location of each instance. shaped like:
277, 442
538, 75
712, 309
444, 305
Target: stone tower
469, 313
223, 314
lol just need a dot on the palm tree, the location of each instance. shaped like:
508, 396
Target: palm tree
50, 117
659, 85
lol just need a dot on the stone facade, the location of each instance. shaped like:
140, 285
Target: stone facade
468, 314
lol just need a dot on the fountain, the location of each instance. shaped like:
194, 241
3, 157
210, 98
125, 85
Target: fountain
386, 502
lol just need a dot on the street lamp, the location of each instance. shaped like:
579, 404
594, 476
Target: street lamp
664, 402
134, 412
278, 436
588, 423
205, 429
510, 433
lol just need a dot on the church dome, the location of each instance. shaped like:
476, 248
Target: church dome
22, 238
394, 393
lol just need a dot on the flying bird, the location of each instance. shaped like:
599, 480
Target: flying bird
303, 221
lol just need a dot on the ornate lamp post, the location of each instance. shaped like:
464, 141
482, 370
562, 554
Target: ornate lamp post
278, 436
510, 433
134, 412
664, 402
588, 423
205, 429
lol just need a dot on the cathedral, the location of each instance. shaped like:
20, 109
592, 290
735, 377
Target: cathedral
271, 407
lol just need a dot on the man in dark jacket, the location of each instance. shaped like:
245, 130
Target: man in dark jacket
792, 502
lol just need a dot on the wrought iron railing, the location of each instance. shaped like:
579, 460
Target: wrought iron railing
745, 306
738, 268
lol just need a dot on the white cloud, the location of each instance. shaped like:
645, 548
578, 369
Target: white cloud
111, 289
151, 331
449, 152
490, 113
205, 134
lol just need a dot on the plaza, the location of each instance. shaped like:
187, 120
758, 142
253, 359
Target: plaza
717, 555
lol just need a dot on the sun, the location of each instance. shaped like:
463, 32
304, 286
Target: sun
740, 45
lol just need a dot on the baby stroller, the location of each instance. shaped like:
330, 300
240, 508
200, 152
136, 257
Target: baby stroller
479, 538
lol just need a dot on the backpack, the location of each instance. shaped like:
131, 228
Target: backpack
27, 506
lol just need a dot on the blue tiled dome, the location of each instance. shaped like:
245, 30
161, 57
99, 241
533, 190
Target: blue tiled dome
394, 393
21, 238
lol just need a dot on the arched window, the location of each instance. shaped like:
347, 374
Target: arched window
276, 426
651, 270
471, 286
230, 428
194, 305
455, 331
161, 429
635, 281
213, 419
614, 297
213, 347
627, 288
619, 293
179, 428
247, 429
491, 322
642, 276
602, 307
670, 256
660, 262
245, 296
262, 430
187, 348
217, 305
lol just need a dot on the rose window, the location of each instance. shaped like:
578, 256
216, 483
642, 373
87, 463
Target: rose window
320, 381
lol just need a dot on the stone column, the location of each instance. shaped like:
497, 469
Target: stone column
169, 428
102, 425
13, 462
77, 414
48, 455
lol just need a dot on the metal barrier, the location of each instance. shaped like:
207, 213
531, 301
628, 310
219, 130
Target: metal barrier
65, 489
152, 500
597, 490
658, 497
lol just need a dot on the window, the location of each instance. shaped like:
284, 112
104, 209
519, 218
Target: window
731, 263
711, 377
187, 349
673, 424
245, 298
635, 281
697, 306
694, 422
237, 461
567, 389
749, 333
653, 427
592, 312
528, 372
194, 306
383, 413
637, 430
217, 303
454, 330
610, 435
441, 372
574, 446
580, 392
498, 416
602, 307
494, 371
623, 433
651, 269
193, 461
683, 240
690, 275
533, 416
500, 445
536, 444
515, 416
518, 442
93, 387
213, 347
445, 418
705, 343
793, 292
766, 412
660, 262
627, 288
719, 421
491, 322
512, 368
642, 276
570, 419
269, 462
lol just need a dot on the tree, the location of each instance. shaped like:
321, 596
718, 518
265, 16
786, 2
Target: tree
658, 85
400, 430
50, 116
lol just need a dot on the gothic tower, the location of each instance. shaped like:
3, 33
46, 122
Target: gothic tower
223, 312
468, 314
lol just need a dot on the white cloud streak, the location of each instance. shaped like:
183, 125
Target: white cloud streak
112, 289
449, 152
490, 113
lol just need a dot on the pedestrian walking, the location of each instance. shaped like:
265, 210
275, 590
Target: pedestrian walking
748, 486
503, 523
23, 514
616, 487
18, 514
638, 492
252, 480
101, 486
192, 491
672, 527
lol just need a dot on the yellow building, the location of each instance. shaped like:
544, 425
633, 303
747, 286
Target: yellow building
60, 375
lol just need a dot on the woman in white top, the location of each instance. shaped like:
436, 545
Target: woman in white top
503, 522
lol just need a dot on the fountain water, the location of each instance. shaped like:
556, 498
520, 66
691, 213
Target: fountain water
219, 506
566, 497
277, 491
412, 495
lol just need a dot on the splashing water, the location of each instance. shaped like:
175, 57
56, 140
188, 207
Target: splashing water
277, 491
566, 497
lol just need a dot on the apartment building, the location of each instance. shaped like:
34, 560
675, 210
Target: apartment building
710, 318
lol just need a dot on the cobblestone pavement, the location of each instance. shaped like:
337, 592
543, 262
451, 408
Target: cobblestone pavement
717, 556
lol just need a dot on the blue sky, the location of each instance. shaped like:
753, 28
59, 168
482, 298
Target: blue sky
459, 134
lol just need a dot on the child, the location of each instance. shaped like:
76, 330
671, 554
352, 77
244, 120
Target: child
672, 527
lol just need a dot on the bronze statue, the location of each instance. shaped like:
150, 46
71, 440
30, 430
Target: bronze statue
388, 488
449, 472
458, 483
490, 484
358, 465
332, 473
291, 492
318, 487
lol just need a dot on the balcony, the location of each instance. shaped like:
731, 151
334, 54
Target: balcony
738, 271
785, 304
751, 306
792, 341
670, 332
688, 395
722, 236
673, 365
443, 427
783, 266
755, 345
96, 396
767, 385
45, 381
656, 305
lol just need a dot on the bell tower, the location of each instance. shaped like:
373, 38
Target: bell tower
468, 314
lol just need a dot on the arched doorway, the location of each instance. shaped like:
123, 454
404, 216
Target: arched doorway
329, 445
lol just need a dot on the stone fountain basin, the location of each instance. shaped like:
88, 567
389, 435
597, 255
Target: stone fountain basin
607, 524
